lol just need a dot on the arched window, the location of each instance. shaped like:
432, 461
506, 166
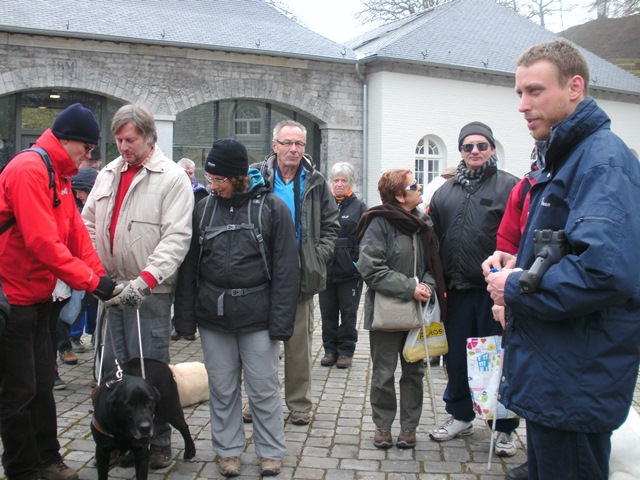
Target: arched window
428, 160
247, 120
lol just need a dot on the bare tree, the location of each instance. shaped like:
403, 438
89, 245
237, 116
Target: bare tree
388, 10
614, 8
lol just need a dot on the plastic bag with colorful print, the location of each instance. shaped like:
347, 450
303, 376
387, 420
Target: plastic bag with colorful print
484, 365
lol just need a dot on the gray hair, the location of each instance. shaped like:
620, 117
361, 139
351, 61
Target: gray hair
142, 120
186, 163
345, 170
287, 123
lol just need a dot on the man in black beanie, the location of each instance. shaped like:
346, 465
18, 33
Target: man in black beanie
466, 213
45, 239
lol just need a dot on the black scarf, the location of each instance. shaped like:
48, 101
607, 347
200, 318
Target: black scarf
470, 178
409, 223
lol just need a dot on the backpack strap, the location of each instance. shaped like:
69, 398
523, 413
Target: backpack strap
258, 236
52, 182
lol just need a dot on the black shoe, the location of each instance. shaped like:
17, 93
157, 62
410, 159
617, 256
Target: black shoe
58, 383
518, 473
159, 456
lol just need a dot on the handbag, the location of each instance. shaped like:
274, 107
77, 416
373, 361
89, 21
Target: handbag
393, 314
433, 329
69, 313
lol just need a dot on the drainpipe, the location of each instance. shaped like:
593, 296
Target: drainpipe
365, 140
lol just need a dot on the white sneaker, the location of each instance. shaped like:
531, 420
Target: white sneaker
451, 429
504, 446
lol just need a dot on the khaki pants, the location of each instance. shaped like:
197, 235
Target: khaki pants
297, 360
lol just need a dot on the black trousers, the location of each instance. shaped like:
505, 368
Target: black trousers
28, 424
339, 309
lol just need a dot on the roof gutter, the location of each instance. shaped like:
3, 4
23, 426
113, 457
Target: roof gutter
365, 135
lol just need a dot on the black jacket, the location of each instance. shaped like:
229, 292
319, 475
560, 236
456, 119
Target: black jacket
466, 223
342, 266
232, 265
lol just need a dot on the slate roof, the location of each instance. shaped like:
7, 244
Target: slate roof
477, 35
249, 26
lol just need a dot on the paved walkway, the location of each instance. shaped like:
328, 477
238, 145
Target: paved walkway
337, 445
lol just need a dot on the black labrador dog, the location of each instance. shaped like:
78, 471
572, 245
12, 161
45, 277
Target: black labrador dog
124, 410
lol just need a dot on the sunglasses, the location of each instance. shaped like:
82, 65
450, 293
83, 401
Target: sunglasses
88, 148
413, 186
468, 147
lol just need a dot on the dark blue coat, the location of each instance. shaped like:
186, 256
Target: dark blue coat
573, 347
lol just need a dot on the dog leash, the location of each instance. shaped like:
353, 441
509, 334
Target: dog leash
144, 376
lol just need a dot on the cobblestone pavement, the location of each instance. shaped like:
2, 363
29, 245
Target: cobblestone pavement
337, 445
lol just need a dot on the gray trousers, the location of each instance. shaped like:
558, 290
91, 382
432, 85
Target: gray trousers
227, 357
385, 349
121, 336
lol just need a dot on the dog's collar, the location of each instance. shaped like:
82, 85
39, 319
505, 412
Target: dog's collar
99, 428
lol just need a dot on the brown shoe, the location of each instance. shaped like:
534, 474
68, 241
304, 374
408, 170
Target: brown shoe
343, 361
69, 357
300, 418
229, 466
58, 471
159, 456
270, 466
382, 438
407, 437
329, 360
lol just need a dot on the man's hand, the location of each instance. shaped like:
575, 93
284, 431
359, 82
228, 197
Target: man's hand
499, 315
105, 289
132, 295
499, 260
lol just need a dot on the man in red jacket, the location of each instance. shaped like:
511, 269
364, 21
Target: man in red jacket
47, 241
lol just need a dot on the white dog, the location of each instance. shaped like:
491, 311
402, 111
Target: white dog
624, 463
193, 383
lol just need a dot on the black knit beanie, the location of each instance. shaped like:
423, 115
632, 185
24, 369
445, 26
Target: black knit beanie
84, 179
227, 158
77, 122
476, 128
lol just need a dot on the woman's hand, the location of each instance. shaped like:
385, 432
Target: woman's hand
422, 293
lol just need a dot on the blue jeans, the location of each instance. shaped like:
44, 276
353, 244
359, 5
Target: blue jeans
154, 335
560, 454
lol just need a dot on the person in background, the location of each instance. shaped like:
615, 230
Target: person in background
340, 300
199, 190
82, 184
139, 218
291, 175
243, 302
386, 235
572, 348
466, 213
44, 236
434, 185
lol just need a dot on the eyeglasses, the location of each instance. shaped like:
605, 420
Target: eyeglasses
218, 181
288, 143
413, 186
468, 147
88, 148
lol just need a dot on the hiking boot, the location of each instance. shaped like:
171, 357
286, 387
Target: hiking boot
229, 466
58, 471
246, 414
382, 438
300, 418
58, 383
451, 429
343, 361
78, 345
329, 360
407, 437
504, 446
518, 473
159, 456
68, 357
270, 466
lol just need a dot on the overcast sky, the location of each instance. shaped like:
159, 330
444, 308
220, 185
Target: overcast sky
335, 19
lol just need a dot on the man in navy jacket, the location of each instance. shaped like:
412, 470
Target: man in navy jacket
573, 344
